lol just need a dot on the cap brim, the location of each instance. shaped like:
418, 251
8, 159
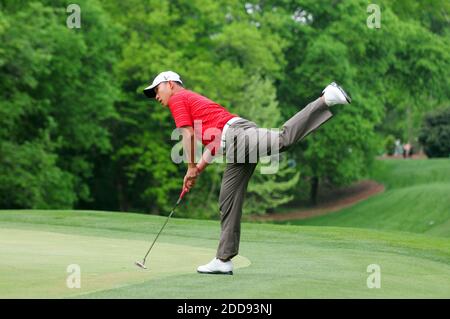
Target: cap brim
150, 92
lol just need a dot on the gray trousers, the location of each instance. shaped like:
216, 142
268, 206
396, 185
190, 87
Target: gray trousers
245, 144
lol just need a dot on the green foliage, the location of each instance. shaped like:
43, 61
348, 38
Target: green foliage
433, 16
389, 145
55, 80
30, 178
224, 59
435, 133
266, 190
75, 95
388, 72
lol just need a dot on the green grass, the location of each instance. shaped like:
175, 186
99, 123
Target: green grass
276, 261
404, 173
325, 257
417, 199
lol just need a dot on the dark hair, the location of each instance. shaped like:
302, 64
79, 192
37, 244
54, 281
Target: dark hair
179, 83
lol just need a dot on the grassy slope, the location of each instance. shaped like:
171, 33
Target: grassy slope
287, 261
417, 199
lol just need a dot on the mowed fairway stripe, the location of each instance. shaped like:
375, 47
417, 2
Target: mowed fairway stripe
33, 264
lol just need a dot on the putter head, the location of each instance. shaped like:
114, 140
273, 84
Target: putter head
140, 264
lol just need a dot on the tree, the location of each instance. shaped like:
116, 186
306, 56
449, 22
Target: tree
266, 190
399, 70
217, 49
76, 130
57, 94
30, 178
331, 43
435, 133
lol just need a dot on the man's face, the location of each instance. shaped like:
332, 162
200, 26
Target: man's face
164, 92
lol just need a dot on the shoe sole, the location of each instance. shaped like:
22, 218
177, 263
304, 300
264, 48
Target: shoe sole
347, 97
216, 273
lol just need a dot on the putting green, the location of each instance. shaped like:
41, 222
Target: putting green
34, 264
287, 261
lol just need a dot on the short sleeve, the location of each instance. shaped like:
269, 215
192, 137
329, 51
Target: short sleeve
180, 112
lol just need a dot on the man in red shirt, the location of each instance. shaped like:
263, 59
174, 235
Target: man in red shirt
241, 140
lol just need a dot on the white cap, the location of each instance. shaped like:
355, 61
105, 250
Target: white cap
162, 77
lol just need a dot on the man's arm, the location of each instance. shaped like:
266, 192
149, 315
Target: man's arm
189, 145
206, 159
189, 149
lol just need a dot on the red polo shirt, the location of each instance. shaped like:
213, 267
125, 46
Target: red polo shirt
205, 116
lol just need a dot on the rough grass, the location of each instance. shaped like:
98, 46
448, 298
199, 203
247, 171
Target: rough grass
417, 199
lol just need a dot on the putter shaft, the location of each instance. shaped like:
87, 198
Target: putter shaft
142, 265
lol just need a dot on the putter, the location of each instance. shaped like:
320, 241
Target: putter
141, 264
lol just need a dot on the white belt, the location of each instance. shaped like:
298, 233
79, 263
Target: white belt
225, 128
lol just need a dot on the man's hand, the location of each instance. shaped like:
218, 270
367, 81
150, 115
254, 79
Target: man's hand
190, 178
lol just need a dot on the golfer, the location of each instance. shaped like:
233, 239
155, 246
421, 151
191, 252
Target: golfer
240, 140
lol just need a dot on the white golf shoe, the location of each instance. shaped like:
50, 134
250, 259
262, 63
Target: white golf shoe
217, 266
334, 94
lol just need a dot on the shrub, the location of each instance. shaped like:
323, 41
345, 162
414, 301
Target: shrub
435, 133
